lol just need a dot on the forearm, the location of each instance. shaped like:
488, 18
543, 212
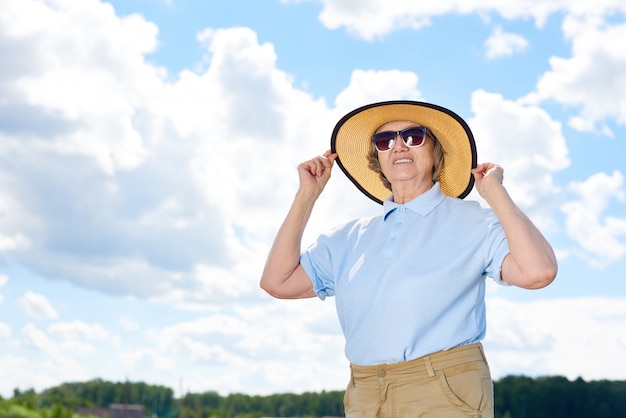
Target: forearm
531, 263
284, 256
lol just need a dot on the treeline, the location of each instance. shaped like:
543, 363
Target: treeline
515, 397
100, 394
558, 397
64, 400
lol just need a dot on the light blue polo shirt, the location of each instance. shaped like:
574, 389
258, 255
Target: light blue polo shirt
412, 281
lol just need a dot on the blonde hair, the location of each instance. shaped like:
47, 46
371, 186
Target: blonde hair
438, 158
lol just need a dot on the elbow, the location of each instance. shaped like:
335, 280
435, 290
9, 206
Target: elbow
276, 293
541, 277
267, 287
271, 289
529, 273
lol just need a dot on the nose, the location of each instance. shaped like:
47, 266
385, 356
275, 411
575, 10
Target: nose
399, 143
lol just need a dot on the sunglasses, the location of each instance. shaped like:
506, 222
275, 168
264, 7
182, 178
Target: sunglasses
412, 137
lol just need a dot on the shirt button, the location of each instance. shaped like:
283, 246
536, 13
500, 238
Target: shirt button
382, 373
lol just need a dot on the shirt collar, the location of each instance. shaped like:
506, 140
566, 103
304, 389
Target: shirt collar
422, 204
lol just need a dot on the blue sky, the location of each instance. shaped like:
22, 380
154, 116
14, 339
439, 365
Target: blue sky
148, 153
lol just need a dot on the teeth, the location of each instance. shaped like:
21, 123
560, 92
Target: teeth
405, 160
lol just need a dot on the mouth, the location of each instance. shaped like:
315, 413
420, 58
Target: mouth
403, 161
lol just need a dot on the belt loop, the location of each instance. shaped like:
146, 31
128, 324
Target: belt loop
429, 366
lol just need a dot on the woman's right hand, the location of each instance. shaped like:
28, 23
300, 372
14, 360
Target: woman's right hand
315, 173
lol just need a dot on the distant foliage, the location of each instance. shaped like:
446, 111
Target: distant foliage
24, 405
100, 394
515, 397
309, 404
557, 397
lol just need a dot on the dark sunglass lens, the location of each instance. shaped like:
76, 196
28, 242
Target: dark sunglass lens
384, 140
413, 137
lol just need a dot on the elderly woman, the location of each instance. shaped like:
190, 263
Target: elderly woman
409, 285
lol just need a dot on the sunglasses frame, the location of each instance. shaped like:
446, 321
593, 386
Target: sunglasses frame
402, 134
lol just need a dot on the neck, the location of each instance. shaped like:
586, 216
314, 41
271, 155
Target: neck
403, 192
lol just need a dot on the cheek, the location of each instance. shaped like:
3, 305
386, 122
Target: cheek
384, 163
427, 161
426, 157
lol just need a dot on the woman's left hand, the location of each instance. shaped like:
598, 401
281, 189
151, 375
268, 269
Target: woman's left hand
486, 176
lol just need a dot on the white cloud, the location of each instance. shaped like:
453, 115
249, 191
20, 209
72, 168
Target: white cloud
128, 324
4, 279
75, 348
556, 337
119, 186
375, 18
91, 98
528, 144
5, 332
13, 242
501, 44
22, 376
601, 236
78, 330
375, 86
33, 337
48, 362
11, 235
61, 351
263, 344
145, 358
38, 306
592, 79
371, 19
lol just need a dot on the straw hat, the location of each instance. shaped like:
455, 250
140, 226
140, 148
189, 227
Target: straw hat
351, 140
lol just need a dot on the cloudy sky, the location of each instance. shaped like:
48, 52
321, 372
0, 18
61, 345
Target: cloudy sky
148, 153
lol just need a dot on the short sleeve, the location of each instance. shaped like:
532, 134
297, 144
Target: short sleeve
497, 250
317, 263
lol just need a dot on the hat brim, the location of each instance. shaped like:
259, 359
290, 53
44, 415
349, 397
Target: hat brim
351, 140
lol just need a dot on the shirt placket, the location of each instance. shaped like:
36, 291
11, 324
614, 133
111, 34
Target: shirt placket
396, 220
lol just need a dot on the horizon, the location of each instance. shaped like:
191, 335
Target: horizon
128, 382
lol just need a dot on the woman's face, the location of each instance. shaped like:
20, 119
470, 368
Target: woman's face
403, 163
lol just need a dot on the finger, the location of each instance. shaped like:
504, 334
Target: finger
308, 166
482, 167
326, 162
328, 158
320, 163
330, 155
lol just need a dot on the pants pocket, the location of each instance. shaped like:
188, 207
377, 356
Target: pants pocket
468, 386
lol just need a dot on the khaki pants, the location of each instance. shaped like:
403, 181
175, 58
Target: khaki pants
447, 384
